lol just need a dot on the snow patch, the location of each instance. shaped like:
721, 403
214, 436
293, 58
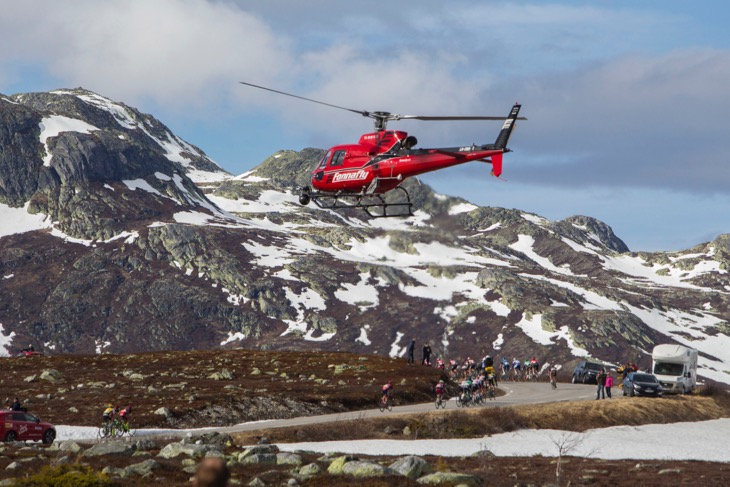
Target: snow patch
362, 294
18, 220
233, 337
537, 220
135, 184
363, 338
5, 341
462, 208
395, 349
525, 244
53, 125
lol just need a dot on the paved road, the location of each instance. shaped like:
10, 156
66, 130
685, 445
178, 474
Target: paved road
517, 394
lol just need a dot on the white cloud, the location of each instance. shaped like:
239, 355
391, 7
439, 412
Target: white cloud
171, 51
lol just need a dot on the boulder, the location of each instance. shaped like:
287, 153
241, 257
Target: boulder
286, 458
70, 446
310, 469
365, 469
163, 411
173, 450
142, 468
335, 467
259, 459
257, 449
411, 466
450, 478
51, 375
221, 441
113, 448
257, 482
223, 374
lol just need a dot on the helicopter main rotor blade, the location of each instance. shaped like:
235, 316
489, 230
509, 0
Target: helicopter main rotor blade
437, 118
360, 112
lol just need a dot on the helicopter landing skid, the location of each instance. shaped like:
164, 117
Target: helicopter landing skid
374, 205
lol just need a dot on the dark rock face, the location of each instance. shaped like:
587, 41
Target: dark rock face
20, 154
137, 257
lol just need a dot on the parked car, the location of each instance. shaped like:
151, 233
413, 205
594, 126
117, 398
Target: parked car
586, 372
642, 384
21, 426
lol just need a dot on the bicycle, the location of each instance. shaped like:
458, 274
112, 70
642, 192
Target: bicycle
463, 400
114, 428
122, 428
440, 403
491, 394
105, 430
385, 403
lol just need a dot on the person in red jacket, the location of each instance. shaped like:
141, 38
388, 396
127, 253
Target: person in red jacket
609, 384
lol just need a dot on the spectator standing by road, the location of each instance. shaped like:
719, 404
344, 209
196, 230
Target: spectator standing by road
426, 354
609, 384
601, 381
411, 350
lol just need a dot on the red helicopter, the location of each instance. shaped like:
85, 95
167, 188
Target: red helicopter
359, 175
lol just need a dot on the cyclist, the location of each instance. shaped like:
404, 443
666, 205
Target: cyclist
386, 392
554, 376
109, 412
535, 367
505, 369
516, 366
466, 390
440, 387
124, 416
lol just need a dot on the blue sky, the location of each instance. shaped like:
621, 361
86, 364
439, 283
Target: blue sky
627, 101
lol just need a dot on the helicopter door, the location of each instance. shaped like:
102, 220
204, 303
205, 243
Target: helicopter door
337, 158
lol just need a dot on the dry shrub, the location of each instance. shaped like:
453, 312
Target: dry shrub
710, 390
65, 476
503, 420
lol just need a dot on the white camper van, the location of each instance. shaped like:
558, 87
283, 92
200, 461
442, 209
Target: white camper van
676, 368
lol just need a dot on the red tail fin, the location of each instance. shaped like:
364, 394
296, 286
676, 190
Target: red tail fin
497, 164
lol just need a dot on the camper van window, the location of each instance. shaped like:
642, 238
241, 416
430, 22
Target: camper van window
663, 368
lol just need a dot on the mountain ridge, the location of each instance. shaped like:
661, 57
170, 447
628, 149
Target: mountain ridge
117, 234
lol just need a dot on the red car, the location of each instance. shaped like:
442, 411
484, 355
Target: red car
21, 426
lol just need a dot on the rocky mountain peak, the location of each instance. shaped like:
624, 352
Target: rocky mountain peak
119, 236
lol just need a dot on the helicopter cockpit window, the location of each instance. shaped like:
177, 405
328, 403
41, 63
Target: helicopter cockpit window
323, 162
338, 158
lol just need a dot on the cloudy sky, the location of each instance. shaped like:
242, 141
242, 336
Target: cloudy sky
627, 101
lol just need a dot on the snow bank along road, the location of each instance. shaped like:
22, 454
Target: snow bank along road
704, 440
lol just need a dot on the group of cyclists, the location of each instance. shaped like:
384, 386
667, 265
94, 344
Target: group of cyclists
115, 421
478, 380
517, 370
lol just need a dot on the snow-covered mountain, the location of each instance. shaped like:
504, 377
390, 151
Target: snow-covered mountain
107, 244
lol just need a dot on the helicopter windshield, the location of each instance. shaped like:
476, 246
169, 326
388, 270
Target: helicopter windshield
323, 161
